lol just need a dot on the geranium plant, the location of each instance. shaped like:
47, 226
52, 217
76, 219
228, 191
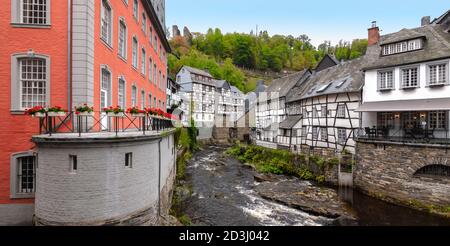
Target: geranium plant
56, 109
136, 110
84, 109
115, 110
34, 110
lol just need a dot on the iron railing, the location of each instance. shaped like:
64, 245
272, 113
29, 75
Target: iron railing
102, 122
410, 136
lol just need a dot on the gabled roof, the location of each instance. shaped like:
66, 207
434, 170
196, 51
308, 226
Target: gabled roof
283, 85
222, 84
436, 46
441, 18
326, 62
342, 78
197, 71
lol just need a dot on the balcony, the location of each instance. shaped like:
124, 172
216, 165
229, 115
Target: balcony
409, 136
101, 124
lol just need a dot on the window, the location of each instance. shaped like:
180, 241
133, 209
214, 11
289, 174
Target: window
340, 111
150, 67
123, 39
400, 47
324, 111
437, 74
410, 77
135, 9
314, 112
144, 23
23, 175
324, 134
121, 94
73, 162
315, 133
129, 160
135, 52
106, 22
155, 44
385, 120
160, 80
142, 99
342, 136
143, 62
105, 87
30, 12
438, 120
151, 36
154, 74
33, 82
134, 96
386, 80
150, 100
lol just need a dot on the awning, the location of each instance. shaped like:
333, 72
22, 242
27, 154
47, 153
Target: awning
442, 104
290, 122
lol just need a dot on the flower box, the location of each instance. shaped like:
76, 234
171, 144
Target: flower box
138, 115
112, 114
56, 114
38, 115
92, 114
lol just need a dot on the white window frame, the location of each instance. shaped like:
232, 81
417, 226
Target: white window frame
16, 85
107, 40
402, 79
382, 77
124, 46
143, 61
143, 97
150, 69
135, 53
324, 134
342, 140
122, 103
315, 133
144, 23
14, 172
134, 95
341, 111
136, 10
446, 74
17, 15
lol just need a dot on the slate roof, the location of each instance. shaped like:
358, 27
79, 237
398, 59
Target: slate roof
198, 71
235, 89
290, 122
222, 84
436, 46
283, 85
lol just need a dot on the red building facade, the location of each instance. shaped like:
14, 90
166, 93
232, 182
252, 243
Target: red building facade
68, 53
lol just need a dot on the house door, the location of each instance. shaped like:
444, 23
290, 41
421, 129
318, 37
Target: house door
104, 104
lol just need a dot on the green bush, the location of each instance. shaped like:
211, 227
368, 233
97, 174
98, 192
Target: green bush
320, 179
306, 174
185, 220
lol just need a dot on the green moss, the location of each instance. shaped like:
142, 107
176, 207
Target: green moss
320, 179
185, 220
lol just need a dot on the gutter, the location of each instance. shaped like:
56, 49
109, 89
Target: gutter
159, 177
69, 54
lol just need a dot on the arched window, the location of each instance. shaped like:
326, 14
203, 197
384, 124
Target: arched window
434, 170
23, 175
106, 22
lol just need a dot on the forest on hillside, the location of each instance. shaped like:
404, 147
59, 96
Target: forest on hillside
228, 56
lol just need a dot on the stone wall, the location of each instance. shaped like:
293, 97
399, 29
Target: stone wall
226, 135
387, 170
103, 191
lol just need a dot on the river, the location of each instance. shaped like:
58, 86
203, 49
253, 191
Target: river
223, 194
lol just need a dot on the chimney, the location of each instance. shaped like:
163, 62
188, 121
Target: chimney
426, 20
374, 34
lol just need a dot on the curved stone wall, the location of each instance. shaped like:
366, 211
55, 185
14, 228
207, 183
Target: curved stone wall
103, 190
388, 170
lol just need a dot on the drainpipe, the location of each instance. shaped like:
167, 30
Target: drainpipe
159, 177
69, 55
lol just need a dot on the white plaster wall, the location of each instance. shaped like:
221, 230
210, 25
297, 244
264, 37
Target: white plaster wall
371, 93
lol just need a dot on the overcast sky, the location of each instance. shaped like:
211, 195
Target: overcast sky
320, 20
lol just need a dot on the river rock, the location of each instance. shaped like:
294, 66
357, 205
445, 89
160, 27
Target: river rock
302, 195
260, 178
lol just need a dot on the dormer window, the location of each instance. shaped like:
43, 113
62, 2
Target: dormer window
401, 47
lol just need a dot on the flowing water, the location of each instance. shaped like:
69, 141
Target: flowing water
223, 195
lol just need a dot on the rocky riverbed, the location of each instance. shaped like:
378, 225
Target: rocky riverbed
221, 191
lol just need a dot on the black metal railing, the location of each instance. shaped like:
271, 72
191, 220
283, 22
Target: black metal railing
71, 122
416, 135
